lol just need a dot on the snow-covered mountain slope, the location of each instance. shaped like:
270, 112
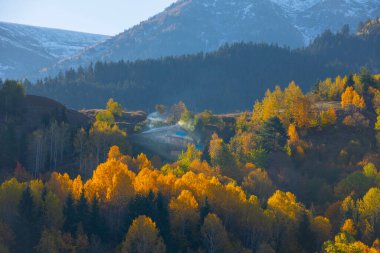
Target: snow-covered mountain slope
292, 7
190, 26
26, 49
333, 14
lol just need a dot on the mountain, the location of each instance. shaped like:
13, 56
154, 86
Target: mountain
26, 49
190, 26
333, 14
225, 80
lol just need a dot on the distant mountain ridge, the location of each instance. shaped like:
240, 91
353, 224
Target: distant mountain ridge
191, 26
226, 80
26, 49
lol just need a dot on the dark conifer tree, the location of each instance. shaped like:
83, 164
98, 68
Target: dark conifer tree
83, 213
28, 225
305, 235
161, 218
97, 225
272, 136
204, 210
70, 216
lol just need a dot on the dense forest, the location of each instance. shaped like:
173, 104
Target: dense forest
223, 81
298, 173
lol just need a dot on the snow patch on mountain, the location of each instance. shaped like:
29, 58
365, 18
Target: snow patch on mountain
294, 6
25, 49
58, 43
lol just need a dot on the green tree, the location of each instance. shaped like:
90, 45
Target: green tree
28, 225
83, 212
97, 223
70, 215
272, 135
305, 235
12, 99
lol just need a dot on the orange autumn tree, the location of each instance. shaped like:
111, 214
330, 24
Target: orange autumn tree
351, 99
293, 135
107, 180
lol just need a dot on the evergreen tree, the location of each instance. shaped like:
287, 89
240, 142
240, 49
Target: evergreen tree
161, 218
272, 136
83, 213
366, 78
305, 235
204, 210
70, 216
97, 223
9, 146
28, 225
141, 205
12, 99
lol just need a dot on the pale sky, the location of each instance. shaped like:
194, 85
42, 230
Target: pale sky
108, 17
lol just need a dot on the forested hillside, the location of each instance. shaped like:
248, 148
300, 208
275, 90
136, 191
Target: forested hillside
298, 173
223, 81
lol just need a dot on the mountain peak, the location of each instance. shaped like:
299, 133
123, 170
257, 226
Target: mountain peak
193, 26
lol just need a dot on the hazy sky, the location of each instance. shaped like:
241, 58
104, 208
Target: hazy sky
94, 16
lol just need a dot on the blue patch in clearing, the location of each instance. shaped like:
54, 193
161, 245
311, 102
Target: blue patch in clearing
199, 147
181, 134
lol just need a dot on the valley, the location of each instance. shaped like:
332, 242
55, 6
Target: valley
214, 126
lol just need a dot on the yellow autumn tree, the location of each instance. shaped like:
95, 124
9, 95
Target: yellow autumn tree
257, 115
292, 97
293, 135
322, 229
358, 101
284, 203
349, 228
184, 217
121, 189
287, 212
272, 103
114, 153
332, 90
10, 195
60, 184
302, 112
328, 117
214, 235
153, 180
114, 107
143, 237
77, 187
351, 99
259, 184
110, 182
